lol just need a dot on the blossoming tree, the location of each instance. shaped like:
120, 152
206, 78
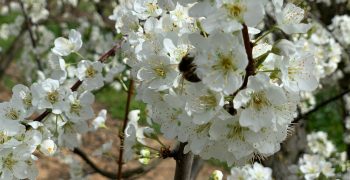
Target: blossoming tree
217, 79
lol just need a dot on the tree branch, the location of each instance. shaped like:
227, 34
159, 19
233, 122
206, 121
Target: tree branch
197, 165
11, 52
183, 163
319, 106
121, 133
93, 165
133, 173
250, 69
31, 35
127, 174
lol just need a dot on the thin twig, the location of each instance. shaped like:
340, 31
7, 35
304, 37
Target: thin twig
121, 133
11, 52
250, 69
134, 173
319, 106
127, 174
93, 165
31, 35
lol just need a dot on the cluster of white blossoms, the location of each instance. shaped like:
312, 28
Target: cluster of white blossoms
326, 50
207, 82
64, 110
321, 159
327, 53
37, 10
31, 59
255, 171
11, 29
251, 172
341, 28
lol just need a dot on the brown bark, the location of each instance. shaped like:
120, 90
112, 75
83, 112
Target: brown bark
183, 163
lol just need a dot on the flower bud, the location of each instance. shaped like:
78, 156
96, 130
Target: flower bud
134, 115
145, 156
48, 147
216, 175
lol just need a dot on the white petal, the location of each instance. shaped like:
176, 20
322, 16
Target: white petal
255, 120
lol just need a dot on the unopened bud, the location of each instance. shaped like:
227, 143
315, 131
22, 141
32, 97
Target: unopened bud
216, 175
48, 147
145, 156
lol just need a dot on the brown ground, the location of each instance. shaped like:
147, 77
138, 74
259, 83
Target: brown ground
51, 168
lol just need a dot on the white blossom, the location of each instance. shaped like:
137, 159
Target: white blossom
49, 94
64, 47
80, 106
222, 62
157, 72
100, 120
259, 99
91, 74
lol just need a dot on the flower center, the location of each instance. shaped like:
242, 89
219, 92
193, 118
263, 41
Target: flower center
75, 107
179, 14
208, 101
151, 7
50, 150
225, 63
52, 97
292, 71
3, 138
13, 114
235, 132
180, 53
134, 26
27, 100
90, 72
203, 128
71, 45
68, 127
259, 100
160, 72
9, 162
235, 10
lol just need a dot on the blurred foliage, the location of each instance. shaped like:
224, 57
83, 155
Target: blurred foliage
54, 28
222, 165
10, 17
328, 118
8, 82
115, 102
